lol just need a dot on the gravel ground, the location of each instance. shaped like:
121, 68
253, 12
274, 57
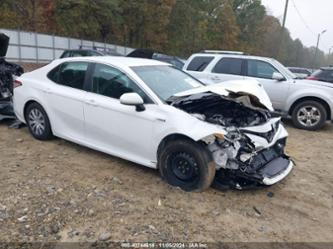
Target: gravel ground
59, 191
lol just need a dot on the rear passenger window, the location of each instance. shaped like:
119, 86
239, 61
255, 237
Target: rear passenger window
199, 63
71, 74
229, 66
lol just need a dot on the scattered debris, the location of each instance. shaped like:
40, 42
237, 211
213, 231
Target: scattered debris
91, 212
51, 189
105, 236
257, 210
270, 194
23, 218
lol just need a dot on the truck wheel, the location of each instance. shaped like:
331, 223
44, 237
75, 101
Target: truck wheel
309, 115
187, 165
38, 122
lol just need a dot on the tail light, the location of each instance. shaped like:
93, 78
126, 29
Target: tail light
312, 78
17, 83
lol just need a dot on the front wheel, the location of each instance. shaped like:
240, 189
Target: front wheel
309, 115
187, 165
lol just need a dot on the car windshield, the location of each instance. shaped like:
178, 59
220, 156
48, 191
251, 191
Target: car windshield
284, 70
166, 81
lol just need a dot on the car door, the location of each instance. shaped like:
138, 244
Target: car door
227, 68
113, 127
263, 72
65, 99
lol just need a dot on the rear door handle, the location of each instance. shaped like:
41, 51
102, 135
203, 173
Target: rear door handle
47, 90
91, 102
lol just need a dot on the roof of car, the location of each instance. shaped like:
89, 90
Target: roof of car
79, 49
302, 68
326, 68
117, 61
234, 55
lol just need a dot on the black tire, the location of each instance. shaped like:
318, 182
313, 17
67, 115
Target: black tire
309, 105
44, 131
195, 160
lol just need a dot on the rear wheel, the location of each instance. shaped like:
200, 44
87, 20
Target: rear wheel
38, 122
309, 115
187, 165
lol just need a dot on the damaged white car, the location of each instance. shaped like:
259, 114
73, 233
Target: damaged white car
155, 115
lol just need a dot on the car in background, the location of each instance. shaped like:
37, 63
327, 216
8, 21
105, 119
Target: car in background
151, 54
324, 74
309, 103
301, 73
80, 53
87, 52
153, 114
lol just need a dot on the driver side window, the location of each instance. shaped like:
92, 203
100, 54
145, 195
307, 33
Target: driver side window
111, 82
260, 69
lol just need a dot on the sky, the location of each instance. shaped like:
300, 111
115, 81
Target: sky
306, 19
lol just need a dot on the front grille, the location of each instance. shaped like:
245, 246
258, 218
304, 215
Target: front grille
265, 156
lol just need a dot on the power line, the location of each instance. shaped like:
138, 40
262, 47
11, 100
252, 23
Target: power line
304, 22
302, 18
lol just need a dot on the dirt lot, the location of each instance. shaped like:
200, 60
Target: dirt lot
59, 191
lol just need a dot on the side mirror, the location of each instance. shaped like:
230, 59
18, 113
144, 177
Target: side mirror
278, 77
133, 99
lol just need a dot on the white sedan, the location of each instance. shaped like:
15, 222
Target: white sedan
155, 115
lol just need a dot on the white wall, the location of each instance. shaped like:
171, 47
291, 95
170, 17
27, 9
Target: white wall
42, 48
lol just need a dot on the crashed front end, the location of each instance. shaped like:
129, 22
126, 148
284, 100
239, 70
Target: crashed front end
8, 71
250, 151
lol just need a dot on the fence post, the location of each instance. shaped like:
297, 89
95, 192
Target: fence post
36, 44
19, 45
53, 46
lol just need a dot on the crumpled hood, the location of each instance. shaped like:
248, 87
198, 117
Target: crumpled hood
252, 88
315, 83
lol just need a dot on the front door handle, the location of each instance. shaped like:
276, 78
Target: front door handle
91, 102
216, 78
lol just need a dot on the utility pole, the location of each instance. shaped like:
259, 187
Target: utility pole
315, 55
282, 29
285, 14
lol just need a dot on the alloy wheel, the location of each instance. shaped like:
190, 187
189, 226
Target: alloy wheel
309, 116
36, 121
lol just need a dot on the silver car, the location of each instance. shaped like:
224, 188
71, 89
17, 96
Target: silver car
309, 103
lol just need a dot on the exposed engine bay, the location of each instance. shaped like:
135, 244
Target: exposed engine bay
7, 73
220, 110
240, 162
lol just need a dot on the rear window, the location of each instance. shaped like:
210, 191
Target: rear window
229, 66
320, 73
199, 63
71, 74
325, 75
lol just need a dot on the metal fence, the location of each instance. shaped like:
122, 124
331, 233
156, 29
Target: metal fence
41, 48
